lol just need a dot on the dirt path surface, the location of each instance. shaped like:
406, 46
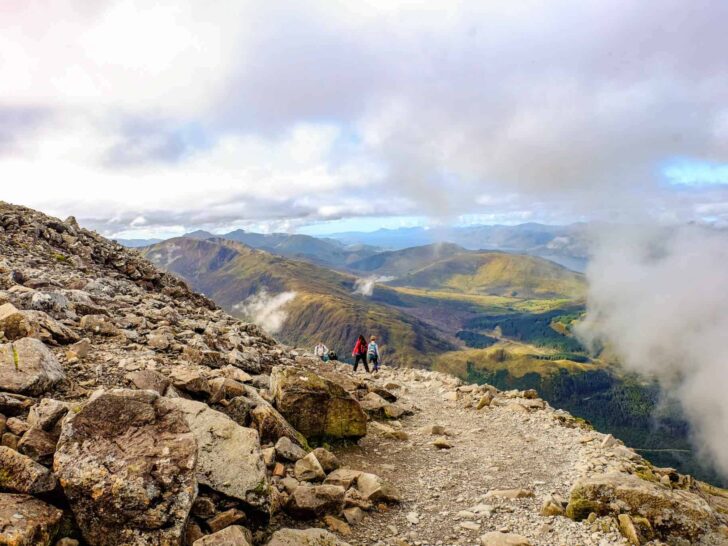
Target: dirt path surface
445, 491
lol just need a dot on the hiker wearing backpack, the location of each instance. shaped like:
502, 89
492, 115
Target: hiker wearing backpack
321, 351
360, 353
373, 353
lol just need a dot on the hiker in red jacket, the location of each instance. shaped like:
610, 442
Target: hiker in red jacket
360, 353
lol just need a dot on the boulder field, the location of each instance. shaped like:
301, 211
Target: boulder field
134, 411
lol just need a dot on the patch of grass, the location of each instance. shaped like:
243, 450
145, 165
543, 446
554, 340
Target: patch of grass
517, 359
60, 257
16, 358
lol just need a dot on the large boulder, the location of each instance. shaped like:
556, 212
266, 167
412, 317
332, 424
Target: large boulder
17, 324
126, 462
315, 406
28, 367
21, 474
305, 537
27, 521
671, 512
271, 425
229, 457
316, 501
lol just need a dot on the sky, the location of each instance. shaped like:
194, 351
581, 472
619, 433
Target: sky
148, 119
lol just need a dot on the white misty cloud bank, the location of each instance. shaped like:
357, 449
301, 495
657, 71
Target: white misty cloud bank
265, 310
365, 285
660, 300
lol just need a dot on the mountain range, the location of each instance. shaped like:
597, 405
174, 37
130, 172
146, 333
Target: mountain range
566, 245
324, 304
321, 251
416, 300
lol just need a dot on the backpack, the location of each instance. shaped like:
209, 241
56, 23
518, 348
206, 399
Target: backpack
333, 355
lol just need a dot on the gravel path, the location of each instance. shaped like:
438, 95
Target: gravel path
445, 490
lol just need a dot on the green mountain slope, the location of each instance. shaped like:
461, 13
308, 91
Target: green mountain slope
397, 263
498, 274
324, 307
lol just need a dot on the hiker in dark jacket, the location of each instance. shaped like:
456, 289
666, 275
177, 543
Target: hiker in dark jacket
360, 353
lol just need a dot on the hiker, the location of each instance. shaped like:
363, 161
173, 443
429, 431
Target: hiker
360, 353
373, 353
321, 351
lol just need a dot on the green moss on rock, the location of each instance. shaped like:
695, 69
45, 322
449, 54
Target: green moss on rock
579, 509
317, 407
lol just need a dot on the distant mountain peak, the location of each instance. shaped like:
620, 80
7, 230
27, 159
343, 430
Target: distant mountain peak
200, 234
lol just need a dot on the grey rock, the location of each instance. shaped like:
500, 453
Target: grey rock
316, 501
27, 366
308, 469
328, 460
230, 536
345, 477
47, 414
149, 380
288, 451
229, 457
38, 444
375, 489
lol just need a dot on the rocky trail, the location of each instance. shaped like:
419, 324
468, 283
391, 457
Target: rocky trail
448, 490
135, 412
465, 472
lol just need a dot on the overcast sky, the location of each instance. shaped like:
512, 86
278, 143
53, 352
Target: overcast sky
151, 118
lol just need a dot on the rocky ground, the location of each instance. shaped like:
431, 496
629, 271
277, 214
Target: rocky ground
134, 411
465, 471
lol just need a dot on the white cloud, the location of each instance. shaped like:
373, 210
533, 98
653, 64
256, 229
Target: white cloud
658, 299
150, 56
265, 310
240, 177
364, 286
235, 111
